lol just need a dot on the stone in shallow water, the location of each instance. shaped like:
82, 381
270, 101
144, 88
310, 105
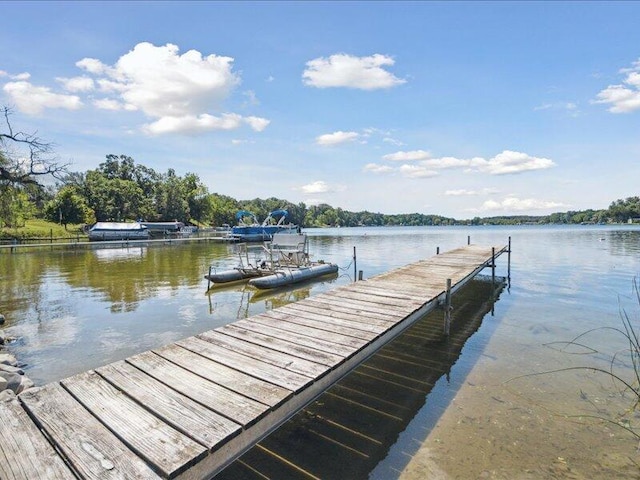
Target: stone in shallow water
8, 359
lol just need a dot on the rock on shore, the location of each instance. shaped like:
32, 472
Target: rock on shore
12, 377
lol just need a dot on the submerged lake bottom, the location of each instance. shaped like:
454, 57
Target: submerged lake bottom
513, 393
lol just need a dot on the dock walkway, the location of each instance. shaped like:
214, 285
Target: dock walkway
188, 409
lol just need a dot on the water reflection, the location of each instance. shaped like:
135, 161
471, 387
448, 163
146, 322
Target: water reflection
355, 423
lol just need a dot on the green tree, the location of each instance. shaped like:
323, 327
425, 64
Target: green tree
68, 207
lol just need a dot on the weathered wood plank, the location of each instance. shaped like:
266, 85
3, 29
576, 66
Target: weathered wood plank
354, 292
253, 366
364, 305
92, 450
265, 327
356, 326
312, 320
353, 322
232, 405
201, 424
230, 378
268, 354
24, 452
371, 298
344, 344
326, 304
357, 318
317, 356
162, 446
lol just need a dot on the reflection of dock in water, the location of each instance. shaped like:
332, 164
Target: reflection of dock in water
347, 431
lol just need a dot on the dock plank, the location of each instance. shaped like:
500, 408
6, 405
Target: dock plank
253, 366
320, 338
325, 359
162, 446
201, 424
248, 346
92, 450
309, 319
232, 405
227, 377
24, 451
354, 322
357, 318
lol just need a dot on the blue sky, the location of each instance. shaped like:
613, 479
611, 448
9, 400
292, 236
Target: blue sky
460, 109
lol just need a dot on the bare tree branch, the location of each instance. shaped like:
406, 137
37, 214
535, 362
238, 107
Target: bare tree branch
30, 161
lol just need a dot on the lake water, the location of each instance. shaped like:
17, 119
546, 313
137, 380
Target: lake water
72, 310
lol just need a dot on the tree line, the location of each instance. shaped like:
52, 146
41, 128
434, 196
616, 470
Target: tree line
119, 189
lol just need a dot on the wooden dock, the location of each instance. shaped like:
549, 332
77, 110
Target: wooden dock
187, 410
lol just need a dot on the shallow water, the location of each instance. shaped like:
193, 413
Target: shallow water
75, 310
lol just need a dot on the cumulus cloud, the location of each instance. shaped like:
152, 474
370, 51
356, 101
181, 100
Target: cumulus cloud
464, 192
77, 84
342, 70
336, 138
377, 168
407, 156
506, 162
417, 171
315, 187
625, 97
179, 93
515, 204
32, 100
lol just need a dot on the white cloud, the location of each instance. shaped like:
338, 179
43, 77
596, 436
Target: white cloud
32, 100
464, 192
77, 84
108, 104
342, 70
376, 168
514, 204
92, 65
192, 124
256, 123
178, 92
417, 171
336, 138
509, 162
408, 156
623, 98
315, 187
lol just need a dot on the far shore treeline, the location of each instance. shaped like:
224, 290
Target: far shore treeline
121, 190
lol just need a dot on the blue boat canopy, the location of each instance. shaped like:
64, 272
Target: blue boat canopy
244, 213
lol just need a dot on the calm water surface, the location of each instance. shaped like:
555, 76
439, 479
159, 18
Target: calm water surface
76, 310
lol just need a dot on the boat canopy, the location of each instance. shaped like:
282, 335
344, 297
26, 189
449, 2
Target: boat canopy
244, 213
276, 213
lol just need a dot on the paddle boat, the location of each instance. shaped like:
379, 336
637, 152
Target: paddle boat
286, 261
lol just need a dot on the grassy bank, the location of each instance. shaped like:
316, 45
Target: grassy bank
41, 229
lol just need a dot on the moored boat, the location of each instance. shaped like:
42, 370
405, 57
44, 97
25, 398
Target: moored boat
289, 276
249, 229
118, 231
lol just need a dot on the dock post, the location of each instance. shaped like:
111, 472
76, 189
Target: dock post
437, 250
493, 267
360, 273
509, 261
209, 279
468, 239
447, 311
355, 269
